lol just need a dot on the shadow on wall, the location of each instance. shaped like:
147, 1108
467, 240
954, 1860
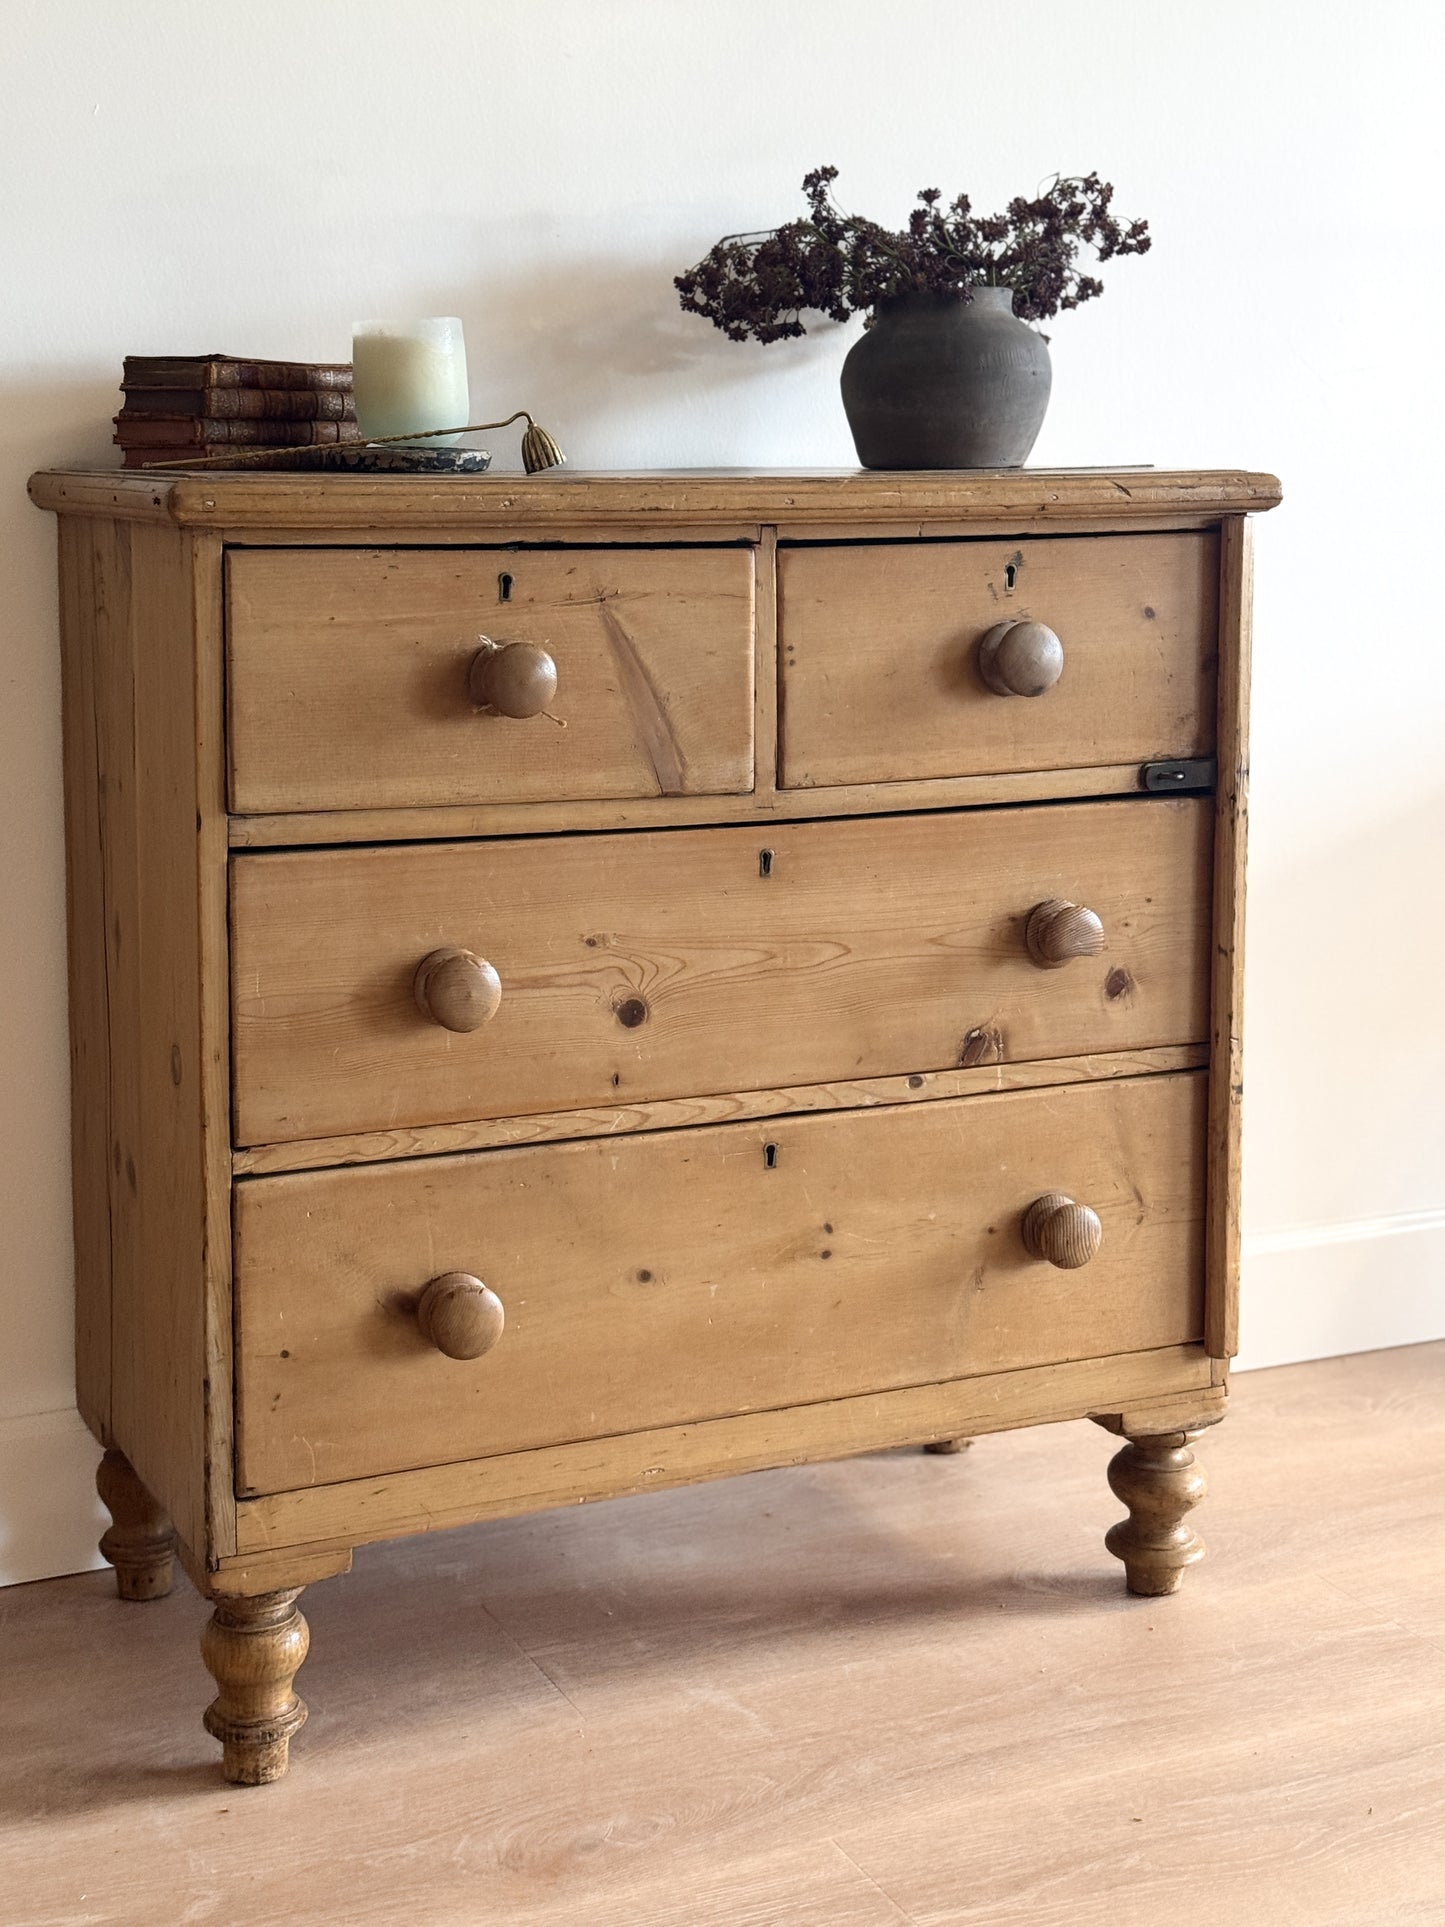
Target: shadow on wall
50, 1518
1335, 1054
47, 423
604, 355
599, 350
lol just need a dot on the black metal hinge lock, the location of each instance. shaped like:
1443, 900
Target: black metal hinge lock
1162, 779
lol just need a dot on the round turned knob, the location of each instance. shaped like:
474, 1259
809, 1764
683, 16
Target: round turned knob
460, 1315
1066, 1234
512, 678
457, 989
1020, 658
1056, 932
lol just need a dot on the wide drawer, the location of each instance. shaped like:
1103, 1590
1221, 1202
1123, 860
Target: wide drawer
658, 1279
880, 677
348, 675
685, 962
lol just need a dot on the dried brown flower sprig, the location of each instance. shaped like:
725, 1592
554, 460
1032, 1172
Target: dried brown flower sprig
838, 264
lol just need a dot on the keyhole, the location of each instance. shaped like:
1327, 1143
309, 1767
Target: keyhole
504, 587
1010, 575
765, 863
770, 1157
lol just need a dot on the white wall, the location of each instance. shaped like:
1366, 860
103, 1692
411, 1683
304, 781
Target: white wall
181, 177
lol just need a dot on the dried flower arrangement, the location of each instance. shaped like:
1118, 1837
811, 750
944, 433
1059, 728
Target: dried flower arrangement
759, 285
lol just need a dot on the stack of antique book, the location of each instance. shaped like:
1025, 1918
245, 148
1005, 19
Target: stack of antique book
191, 407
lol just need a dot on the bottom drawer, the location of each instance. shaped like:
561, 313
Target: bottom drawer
658, 1279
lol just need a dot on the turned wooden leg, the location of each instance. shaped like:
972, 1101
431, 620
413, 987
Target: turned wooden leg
948, 1445
141, 1541
1156, 1477
253, 1649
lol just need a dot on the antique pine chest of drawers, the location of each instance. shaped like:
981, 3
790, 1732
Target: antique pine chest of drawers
589, 983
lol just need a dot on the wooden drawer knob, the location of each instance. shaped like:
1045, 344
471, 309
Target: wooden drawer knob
1020, 658
460, 1315
512, 678
1057, 932
1066, 1234
457, 989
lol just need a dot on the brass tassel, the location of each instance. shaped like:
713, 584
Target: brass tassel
539, 449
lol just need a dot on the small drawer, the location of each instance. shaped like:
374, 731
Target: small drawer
880, 656
656, 1280
350, 675
400, 985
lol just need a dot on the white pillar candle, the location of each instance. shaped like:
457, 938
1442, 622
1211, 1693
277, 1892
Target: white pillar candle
409, 377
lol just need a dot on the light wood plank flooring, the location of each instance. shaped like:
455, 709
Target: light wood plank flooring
897, 1689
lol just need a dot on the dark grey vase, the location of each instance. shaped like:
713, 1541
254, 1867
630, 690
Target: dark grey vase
942, 383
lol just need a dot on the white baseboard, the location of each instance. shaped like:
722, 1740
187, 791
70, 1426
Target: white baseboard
50, 1518
1320, 1291
1314, 1292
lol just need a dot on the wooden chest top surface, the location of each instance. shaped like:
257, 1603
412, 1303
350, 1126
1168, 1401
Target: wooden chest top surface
1081, 497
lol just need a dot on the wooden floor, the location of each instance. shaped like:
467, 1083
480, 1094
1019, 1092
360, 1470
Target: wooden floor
902, 1688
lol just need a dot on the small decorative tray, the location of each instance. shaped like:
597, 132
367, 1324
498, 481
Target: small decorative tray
363, 458
394, 454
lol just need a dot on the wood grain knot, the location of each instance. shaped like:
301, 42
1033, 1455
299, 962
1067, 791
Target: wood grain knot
981, 1046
